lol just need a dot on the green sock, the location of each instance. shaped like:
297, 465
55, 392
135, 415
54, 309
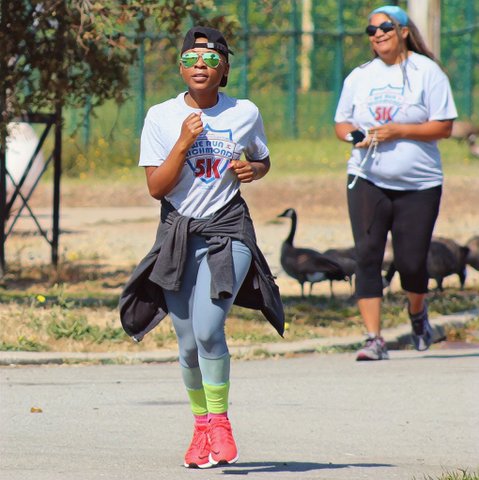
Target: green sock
217, 397
197, 401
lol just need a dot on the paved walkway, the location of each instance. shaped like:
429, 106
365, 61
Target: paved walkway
310, 417
296, 417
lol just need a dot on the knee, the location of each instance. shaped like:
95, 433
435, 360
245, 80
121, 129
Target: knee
368, 255
211, 344
369, 265
410, 269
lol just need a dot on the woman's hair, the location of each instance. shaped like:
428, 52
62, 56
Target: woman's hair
415, 43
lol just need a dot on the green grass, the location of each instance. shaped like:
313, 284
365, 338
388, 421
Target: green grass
315, 155
62, 323
92, 299
23, 344
75, 326
455, 475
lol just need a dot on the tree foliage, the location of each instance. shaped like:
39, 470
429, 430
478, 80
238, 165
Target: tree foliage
70, 52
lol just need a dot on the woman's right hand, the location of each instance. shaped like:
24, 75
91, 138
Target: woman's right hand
191, 128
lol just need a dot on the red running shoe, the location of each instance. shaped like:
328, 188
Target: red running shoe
197, 455
223, 446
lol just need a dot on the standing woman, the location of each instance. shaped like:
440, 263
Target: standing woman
205, 256
394, 109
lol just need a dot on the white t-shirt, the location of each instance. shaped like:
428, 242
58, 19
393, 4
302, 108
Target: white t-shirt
232, 127
377, 93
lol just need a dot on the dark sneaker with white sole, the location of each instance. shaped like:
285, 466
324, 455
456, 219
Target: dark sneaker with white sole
421, 330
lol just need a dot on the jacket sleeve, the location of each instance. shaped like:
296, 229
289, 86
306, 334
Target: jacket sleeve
142, 303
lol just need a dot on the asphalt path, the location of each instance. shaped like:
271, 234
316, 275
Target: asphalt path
312, 416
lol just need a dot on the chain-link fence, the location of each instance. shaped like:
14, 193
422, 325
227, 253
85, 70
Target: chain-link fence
290, 58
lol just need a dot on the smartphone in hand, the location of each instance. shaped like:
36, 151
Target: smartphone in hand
355, 136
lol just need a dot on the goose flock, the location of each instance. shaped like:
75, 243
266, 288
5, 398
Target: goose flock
445, 257
307, 265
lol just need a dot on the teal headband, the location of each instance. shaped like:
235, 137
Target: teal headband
395, 12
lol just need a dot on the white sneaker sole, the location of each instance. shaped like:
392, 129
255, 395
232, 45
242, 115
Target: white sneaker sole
194, 465
223, 462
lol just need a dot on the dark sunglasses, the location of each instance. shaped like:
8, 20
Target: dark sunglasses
385, 27
211, 59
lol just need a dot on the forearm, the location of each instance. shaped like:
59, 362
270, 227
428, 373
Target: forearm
162, 179
260, 168
423, 132
434, 130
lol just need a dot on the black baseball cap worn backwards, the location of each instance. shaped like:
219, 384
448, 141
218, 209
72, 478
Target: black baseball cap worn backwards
216, 41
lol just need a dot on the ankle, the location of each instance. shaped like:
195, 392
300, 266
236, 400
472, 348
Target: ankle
417, 315
214, 416
201, 419
418, 310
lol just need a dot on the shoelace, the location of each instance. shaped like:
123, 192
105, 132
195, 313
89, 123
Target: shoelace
373, 146
200, 439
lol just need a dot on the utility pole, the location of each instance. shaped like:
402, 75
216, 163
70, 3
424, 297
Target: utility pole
3, 139
426, 14
306, 45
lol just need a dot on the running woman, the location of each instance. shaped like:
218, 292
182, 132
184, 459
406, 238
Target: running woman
197, 149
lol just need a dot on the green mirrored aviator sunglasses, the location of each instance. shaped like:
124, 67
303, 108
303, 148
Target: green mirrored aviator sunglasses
211, 59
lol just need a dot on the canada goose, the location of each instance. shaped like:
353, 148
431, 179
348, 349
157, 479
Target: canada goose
304, 264
445, 257
473, 146
472, 258
346, 258
387, 264
388, 253
462, 130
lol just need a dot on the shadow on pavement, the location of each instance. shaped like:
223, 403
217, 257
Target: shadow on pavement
265, 467
452, 355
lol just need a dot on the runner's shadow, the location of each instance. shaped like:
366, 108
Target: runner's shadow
451, 355
272, 467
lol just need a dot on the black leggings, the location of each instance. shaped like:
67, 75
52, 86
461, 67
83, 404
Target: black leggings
410, 216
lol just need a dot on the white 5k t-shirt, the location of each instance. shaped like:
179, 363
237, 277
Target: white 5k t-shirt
376, 93
232, 127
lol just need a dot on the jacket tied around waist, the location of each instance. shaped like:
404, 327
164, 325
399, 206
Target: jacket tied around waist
142, 303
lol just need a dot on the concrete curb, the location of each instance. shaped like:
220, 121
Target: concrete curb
395, 339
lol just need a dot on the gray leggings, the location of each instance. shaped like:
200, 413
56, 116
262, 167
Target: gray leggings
198, 320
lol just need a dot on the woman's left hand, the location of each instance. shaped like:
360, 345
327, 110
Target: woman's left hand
245, 171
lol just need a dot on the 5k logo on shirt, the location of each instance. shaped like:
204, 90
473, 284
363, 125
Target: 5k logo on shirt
210, 155
384, 103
